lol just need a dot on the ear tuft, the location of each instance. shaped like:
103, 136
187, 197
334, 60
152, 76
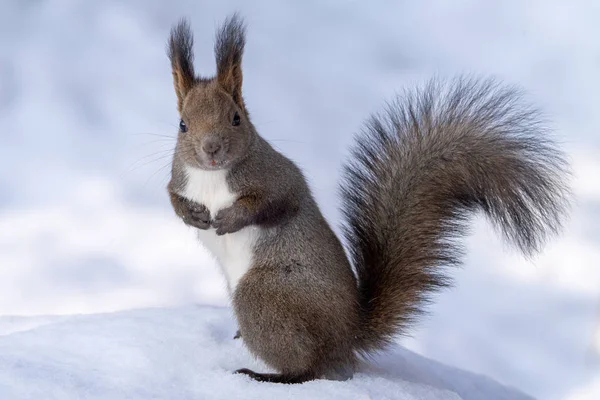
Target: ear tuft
229, 49
181, 53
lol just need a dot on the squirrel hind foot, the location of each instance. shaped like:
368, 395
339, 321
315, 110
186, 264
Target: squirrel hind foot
277, 378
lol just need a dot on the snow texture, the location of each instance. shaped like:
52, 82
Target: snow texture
190, 353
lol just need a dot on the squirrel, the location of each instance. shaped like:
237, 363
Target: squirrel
417, 172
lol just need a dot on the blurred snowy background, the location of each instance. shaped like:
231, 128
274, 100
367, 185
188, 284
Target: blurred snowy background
88, 120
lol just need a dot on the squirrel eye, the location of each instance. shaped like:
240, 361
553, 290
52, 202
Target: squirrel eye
236, 119
182, 126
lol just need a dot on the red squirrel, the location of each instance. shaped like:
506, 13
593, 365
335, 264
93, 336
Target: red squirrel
418, 171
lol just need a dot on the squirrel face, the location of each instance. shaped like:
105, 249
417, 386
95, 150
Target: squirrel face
215, 130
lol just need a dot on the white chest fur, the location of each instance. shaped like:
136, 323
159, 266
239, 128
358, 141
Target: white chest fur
233, 251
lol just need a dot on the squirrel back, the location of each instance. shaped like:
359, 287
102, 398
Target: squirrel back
416, 175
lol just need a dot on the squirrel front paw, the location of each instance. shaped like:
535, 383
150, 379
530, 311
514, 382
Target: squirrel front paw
229, 220
192, 213
198, 216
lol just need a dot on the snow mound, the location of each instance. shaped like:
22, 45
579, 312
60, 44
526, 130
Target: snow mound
190, 353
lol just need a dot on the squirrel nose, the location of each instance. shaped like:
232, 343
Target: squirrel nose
211, 147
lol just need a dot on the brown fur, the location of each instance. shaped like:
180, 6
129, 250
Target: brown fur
208, 111
417, 173
421, 170
229, 49
180, 52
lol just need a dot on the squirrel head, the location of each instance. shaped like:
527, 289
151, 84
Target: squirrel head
215, 129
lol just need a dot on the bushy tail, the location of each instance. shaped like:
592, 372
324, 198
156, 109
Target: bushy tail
420, 170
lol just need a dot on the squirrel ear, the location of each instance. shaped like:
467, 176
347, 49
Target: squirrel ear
181, 55
229, 48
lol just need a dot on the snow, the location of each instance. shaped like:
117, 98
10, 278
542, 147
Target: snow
190, 353
88, 116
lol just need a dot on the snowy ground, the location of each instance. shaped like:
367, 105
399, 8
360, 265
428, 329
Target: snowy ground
87, 120
190, 353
